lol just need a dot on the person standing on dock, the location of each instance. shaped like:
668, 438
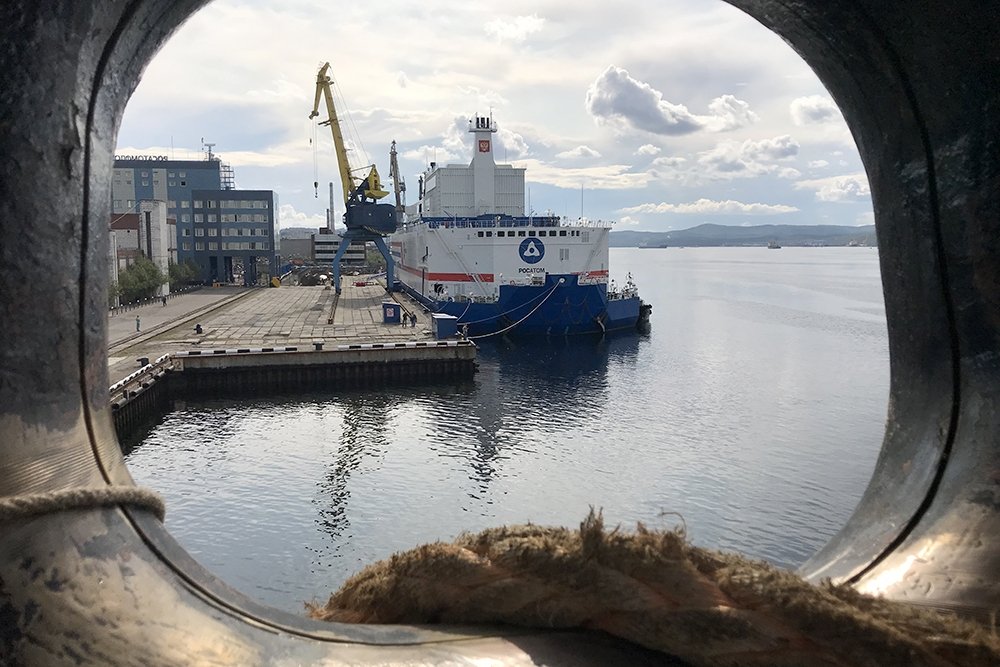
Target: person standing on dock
136, 322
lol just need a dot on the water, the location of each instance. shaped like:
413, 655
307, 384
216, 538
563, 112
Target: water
754, 410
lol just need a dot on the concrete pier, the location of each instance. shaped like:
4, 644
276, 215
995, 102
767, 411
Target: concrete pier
232, 317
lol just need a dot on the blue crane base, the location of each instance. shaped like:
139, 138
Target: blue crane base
362, 235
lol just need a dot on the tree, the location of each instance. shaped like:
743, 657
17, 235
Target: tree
141, 280
183, 274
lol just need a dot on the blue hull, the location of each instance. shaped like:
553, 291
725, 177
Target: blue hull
556, 308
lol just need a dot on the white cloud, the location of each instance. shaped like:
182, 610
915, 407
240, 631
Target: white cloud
747, 159
789, 173
616, 97
729, 113
813, 109
848, 187
818, 164
512, 143
515, 29
402, 79
627, 220
289, 217
669, 161
710, 207
578, 152
647, 149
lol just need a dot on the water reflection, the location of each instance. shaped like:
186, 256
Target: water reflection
363, 435
523, 393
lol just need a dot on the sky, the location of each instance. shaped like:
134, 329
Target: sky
657, 114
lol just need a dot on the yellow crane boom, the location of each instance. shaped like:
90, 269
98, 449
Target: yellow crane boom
368, 187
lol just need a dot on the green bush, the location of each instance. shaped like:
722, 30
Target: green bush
141, 280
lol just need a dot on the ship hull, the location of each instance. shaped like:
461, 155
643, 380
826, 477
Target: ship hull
558, 307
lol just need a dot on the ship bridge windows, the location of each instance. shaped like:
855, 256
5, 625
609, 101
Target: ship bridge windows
531, 232
562, 232
479, 234
489, 234
521, 233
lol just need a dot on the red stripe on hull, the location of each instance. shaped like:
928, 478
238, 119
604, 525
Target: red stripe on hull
448, 277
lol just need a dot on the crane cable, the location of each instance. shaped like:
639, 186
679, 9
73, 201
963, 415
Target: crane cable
313, 141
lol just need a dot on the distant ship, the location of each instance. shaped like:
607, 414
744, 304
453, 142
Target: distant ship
773, 245
646, 244
468, 250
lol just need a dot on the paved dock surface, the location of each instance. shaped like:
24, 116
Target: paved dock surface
234, 317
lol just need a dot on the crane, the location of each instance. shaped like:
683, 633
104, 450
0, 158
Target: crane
398, 185
364, 218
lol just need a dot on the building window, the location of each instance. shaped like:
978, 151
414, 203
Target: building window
197, 203
228, 217
199, 246
171, 203
186, 245
212, 231
145, 182
185, 232
186, 217
211, 204
118, 203
182, 174
131, 203
145, 174
170, 174
185, 204
199, 231
184, 182
199, 217
172, 183
213, 217
213, 245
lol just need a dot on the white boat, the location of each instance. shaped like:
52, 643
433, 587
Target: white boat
468, 250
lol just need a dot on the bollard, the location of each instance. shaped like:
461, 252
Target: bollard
143, 361
318, 344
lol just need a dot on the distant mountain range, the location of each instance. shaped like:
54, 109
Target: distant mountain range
759, 235
716, 235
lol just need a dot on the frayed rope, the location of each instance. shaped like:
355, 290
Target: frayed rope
34, 504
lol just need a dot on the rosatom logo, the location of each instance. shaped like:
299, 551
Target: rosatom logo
532, 250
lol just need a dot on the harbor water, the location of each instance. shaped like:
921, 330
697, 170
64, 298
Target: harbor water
752, 413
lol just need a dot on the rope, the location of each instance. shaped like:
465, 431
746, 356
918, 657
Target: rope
34, 504
650, 587
497, 333
508, 312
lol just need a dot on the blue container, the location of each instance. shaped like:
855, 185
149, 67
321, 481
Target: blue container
445, 326
391, 312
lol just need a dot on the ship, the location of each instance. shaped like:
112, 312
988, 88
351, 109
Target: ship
468, 250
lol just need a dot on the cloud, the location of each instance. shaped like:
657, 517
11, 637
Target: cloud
818, 164
515, 29
289, 217
578, 152
747, 159
512, 143
615, 97
729, 113
602, 177
848, 187
789, 173
647, 149
710, 207
627, 220
402, 79
813, 109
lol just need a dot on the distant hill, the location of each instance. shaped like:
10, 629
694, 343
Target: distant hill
759, 235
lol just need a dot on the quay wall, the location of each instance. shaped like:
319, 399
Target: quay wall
144, 397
